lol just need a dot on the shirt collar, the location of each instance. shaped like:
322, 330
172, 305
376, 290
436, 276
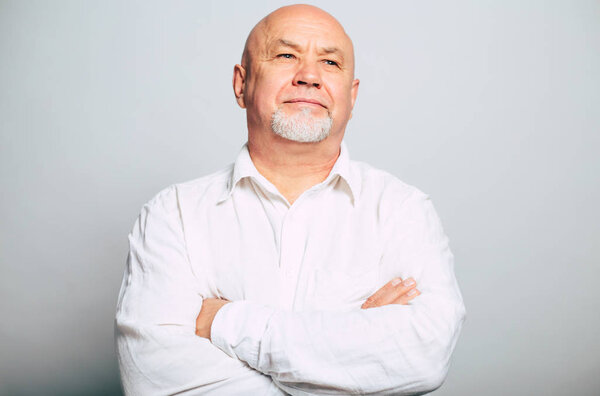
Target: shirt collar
346, 172
244, 167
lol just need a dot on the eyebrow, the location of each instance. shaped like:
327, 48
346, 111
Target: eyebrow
297, 47
287, 43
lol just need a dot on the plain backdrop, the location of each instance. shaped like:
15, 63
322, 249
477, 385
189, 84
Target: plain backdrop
491, 107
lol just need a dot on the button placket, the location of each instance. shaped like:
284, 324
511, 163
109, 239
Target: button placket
292, 242
284, 259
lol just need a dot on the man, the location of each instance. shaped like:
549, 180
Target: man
295, 270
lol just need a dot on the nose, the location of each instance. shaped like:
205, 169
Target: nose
308, 75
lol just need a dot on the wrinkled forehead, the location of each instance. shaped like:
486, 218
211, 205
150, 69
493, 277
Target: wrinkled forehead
325, 33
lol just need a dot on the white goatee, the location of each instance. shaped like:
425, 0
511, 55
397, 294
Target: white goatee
302, 126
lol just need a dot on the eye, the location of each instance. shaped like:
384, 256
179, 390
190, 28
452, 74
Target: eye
330, 62
286, 56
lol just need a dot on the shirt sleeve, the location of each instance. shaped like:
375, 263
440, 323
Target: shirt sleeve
157, 348
389, 350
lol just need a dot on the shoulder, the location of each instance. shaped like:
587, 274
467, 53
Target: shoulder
386, 189
215, 181
399, 205
170, 199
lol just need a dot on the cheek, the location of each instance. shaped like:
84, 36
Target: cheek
268, 91
340, 90
343, 101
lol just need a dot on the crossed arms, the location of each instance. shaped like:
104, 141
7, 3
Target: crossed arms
389, 349
396, 291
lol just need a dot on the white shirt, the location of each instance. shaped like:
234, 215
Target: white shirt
297, 275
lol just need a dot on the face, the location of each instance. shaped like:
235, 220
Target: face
301, 68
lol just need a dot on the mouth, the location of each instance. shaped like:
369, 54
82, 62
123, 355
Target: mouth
306, 101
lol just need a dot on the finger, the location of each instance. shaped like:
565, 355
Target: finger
407, 297
375, 297
390, 292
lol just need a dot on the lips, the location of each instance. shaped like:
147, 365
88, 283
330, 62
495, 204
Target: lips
306, 100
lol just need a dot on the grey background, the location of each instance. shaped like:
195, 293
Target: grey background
491, 107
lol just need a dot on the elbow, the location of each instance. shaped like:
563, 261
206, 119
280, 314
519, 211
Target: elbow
434, 362
460, 315
430, 376
433, 379
427, 372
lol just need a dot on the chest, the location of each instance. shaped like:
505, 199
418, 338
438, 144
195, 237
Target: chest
313, 256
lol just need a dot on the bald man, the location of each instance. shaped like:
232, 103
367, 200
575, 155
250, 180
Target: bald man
295, 270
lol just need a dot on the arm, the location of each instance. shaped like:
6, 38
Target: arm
393, 349
160, 296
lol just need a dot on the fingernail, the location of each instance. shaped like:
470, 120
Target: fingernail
396, 282
409, 282
411, 292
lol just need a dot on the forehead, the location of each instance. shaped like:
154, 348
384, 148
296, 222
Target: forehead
303, 30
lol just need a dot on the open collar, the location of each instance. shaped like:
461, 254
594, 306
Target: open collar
244, 167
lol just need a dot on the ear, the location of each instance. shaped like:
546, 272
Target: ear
239, 84
354, 90
354, 93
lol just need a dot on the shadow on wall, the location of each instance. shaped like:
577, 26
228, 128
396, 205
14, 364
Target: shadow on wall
106, 388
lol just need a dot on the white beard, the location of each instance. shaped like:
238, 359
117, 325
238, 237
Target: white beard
302, 126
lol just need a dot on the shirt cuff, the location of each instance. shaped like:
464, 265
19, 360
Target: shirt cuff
238, 327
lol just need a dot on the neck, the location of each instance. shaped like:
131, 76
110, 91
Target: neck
293, 167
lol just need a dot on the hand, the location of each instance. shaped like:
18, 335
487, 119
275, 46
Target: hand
394, 292
210, 307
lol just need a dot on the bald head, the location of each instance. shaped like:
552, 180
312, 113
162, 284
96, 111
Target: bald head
298, 66
273, 26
